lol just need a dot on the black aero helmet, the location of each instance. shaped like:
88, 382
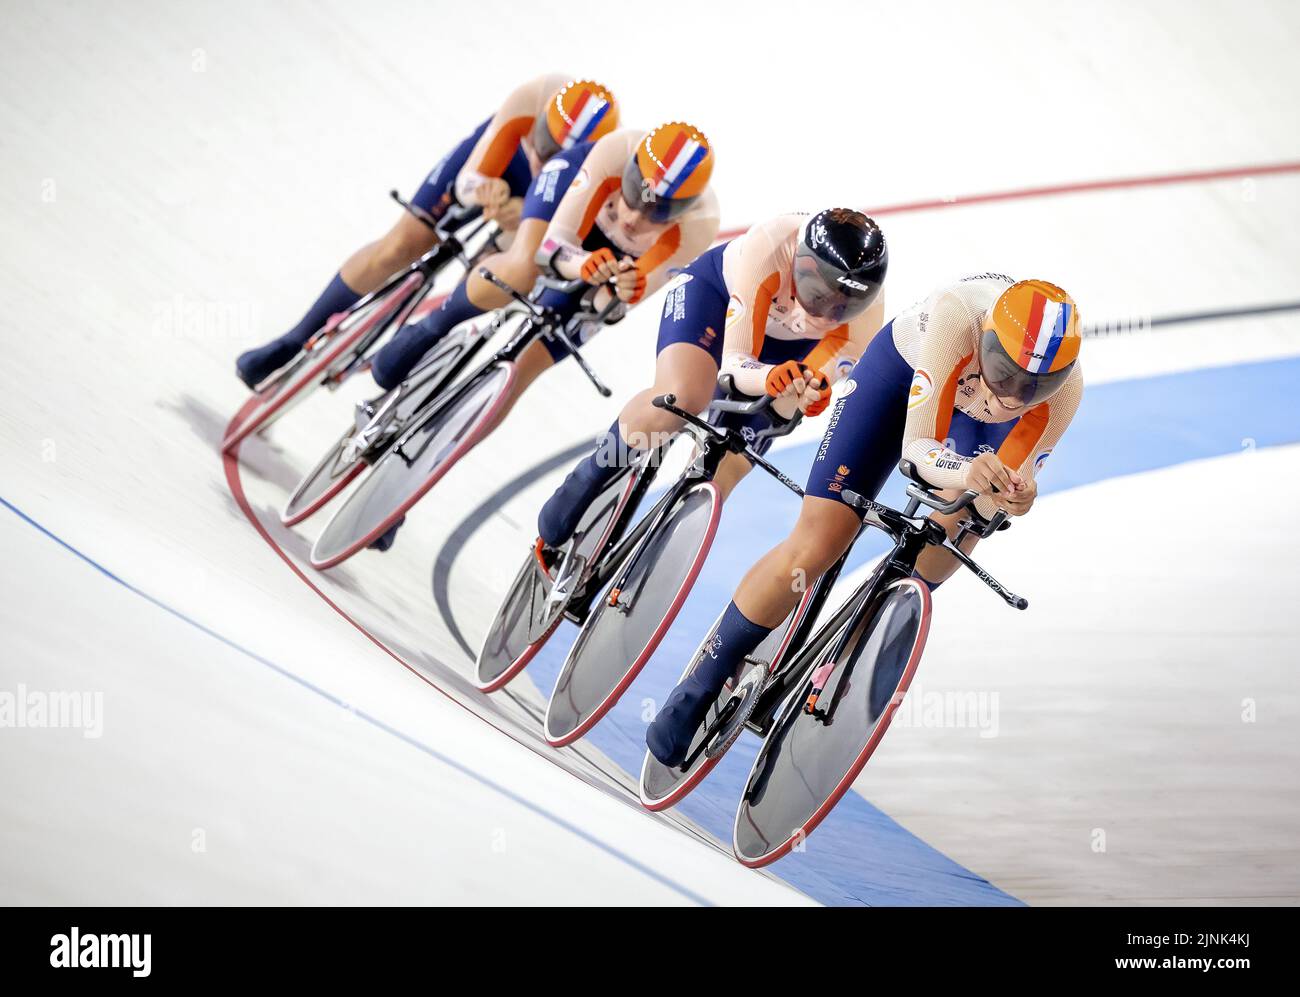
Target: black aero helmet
840, 264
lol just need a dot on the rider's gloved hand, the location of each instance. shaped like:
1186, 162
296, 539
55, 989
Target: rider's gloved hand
599, 267
816, 395
784, 377
1020, 501
987, 474
630, 282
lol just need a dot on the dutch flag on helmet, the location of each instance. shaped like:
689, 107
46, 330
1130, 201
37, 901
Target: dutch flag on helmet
1044, 332
585, 118
681, 158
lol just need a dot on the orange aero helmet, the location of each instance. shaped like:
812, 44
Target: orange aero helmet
581, 111
1029, 341
669, 170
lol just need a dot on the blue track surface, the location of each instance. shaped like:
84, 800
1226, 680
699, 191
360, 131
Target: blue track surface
860, 855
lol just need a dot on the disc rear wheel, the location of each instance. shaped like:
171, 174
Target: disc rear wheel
810, 759
420, 456
343, 461
626, 626
529, 614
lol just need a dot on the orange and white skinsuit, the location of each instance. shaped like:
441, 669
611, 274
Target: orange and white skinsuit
939, 339
593, 215
479, 180
916, 389
758, 268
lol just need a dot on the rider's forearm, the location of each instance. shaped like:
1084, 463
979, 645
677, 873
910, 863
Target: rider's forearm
569, 268
561, 256
940, 466
748, 373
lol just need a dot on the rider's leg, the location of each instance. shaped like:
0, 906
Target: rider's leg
686, 365
777, 581
472, 297
935, 565
399, 247
769, 591
368, 267
255, 365
516, 266
858, 452
730, 473
680, 369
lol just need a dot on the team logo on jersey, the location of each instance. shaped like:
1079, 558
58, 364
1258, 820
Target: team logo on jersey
1041, 459
679, 280
735, 309
555, 164
1003, 278
836, 484
942, 459
675, 299
580, 181
921, 390
850, 386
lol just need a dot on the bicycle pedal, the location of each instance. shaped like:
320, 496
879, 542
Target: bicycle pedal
746, 663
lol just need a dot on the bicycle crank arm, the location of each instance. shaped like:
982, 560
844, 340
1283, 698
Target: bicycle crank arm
724, 716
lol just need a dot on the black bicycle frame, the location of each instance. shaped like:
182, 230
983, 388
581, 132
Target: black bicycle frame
910, 537
451, 246
534, 327
899, 563
622, 553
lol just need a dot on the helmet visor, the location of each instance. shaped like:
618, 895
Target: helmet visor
1008, 380
640, 195
825, 292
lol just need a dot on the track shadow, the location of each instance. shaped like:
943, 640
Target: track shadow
258, 455
299, 548
473, 522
